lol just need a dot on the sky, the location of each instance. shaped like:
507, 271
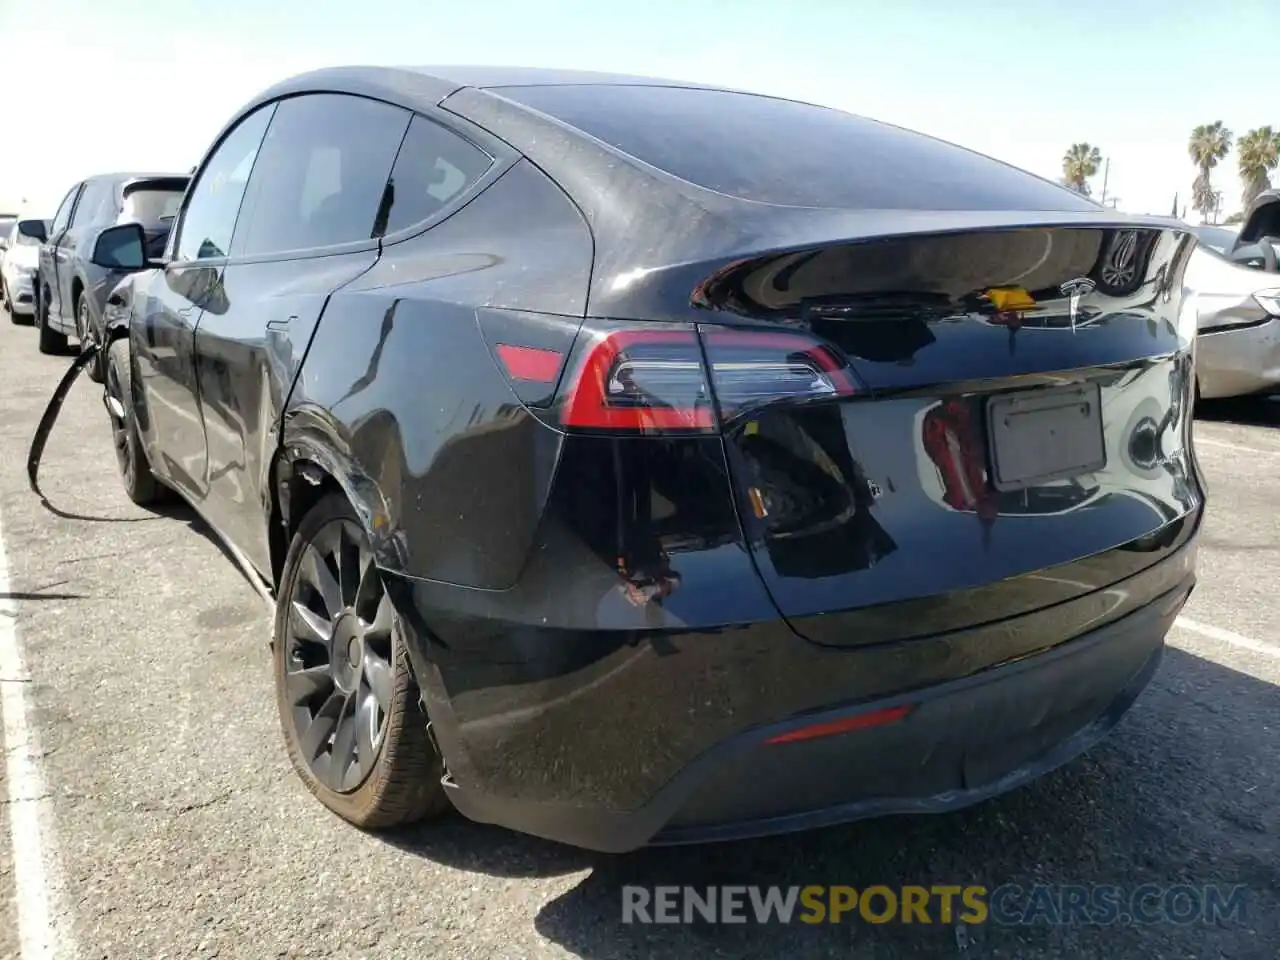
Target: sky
105, 85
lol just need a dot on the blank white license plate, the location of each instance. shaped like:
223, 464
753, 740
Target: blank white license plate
1038, 436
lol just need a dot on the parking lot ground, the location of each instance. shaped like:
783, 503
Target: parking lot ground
173, 821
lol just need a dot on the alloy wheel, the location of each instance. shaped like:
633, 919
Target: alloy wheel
338, 674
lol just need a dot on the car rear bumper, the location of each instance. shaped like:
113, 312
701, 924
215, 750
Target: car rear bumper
1233, 363
660, 742
963, 742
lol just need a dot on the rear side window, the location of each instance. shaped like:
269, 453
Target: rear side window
434, 167
781, 152
320, 174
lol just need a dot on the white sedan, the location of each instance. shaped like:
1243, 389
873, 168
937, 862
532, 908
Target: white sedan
18, 259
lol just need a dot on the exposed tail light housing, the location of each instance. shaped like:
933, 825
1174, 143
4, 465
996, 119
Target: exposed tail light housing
654, 379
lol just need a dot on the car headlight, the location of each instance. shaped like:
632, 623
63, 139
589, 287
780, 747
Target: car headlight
1269, 300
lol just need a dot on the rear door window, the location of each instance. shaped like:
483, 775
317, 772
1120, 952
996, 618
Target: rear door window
435, 167
320, 174
795, 154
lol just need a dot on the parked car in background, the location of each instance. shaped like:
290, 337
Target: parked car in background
1235, 285
19, 258
572, 423
72, 291
7, 220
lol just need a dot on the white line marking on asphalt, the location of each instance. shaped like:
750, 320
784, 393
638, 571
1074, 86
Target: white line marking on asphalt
1240, 447
1226, 636
29, 807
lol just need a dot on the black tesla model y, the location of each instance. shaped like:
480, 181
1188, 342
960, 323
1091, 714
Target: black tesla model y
641, 462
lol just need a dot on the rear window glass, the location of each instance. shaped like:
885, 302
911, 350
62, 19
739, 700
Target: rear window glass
148, 204
782, 152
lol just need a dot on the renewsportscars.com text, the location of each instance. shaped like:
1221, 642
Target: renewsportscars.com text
1009, 904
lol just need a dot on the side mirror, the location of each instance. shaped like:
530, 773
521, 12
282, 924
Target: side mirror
122, 247
1259, 256
33, 229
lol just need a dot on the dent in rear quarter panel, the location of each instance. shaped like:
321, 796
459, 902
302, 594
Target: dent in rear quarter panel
400, 383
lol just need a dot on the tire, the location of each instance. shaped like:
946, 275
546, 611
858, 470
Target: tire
390, 776
135, 471
50, 341
97, 369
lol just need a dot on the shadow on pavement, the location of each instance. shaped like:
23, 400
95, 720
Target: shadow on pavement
1183, 792
1256, 411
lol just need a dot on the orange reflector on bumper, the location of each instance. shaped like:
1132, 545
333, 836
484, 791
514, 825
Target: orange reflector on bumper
1011, 298
861, 721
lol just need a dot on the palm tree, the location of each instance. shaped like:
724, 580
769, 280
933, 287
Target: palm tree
1079, 163
1209, 143
1258, 152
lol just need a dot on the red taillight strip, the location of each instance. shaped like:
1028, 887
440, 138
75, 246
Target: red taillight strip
831, 728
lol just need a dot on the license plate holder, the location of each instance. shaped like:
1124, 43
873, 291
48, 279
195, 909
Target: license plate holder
1038, 436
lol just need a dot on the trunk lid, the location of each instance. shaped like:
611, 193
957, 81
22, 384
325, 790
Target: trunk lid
1021, 435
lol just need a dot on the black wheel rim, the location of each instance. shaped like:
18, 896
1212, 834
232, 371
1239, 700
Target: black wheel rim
338, 672
119, 424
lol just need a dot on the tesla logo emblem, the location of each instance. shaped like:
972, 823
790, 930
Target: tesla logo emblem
1077, 289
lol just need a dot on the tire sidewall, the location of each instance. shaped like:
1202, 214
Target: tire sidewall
140, 485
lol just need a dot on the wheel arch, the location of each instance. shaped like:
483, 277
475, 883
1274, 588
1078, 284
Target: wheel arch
312, 460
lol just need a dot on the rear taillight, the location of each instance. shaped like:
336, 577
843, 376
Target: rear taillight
655, 380
639, 380
750, 368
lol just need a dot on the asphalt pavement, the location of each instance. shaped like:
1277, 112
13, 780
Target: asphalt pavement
148, 809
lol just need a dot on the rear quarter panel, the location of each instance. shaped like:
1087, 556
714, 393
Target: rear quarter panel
399, 392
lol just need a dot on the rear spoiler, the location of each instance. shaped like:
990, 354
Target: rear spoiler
175, 182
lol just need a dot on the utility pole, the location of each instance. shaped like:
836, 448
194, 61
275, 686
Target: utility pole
1106, 173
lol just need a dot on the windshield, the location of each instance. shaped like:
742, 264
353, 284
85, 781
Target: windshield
148, 204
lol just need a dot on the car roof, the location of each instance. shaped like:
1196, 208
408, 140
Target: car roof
423, 87
491, 77
125, 177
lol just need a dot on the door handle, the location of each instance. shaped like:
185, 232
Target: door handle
280, 324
